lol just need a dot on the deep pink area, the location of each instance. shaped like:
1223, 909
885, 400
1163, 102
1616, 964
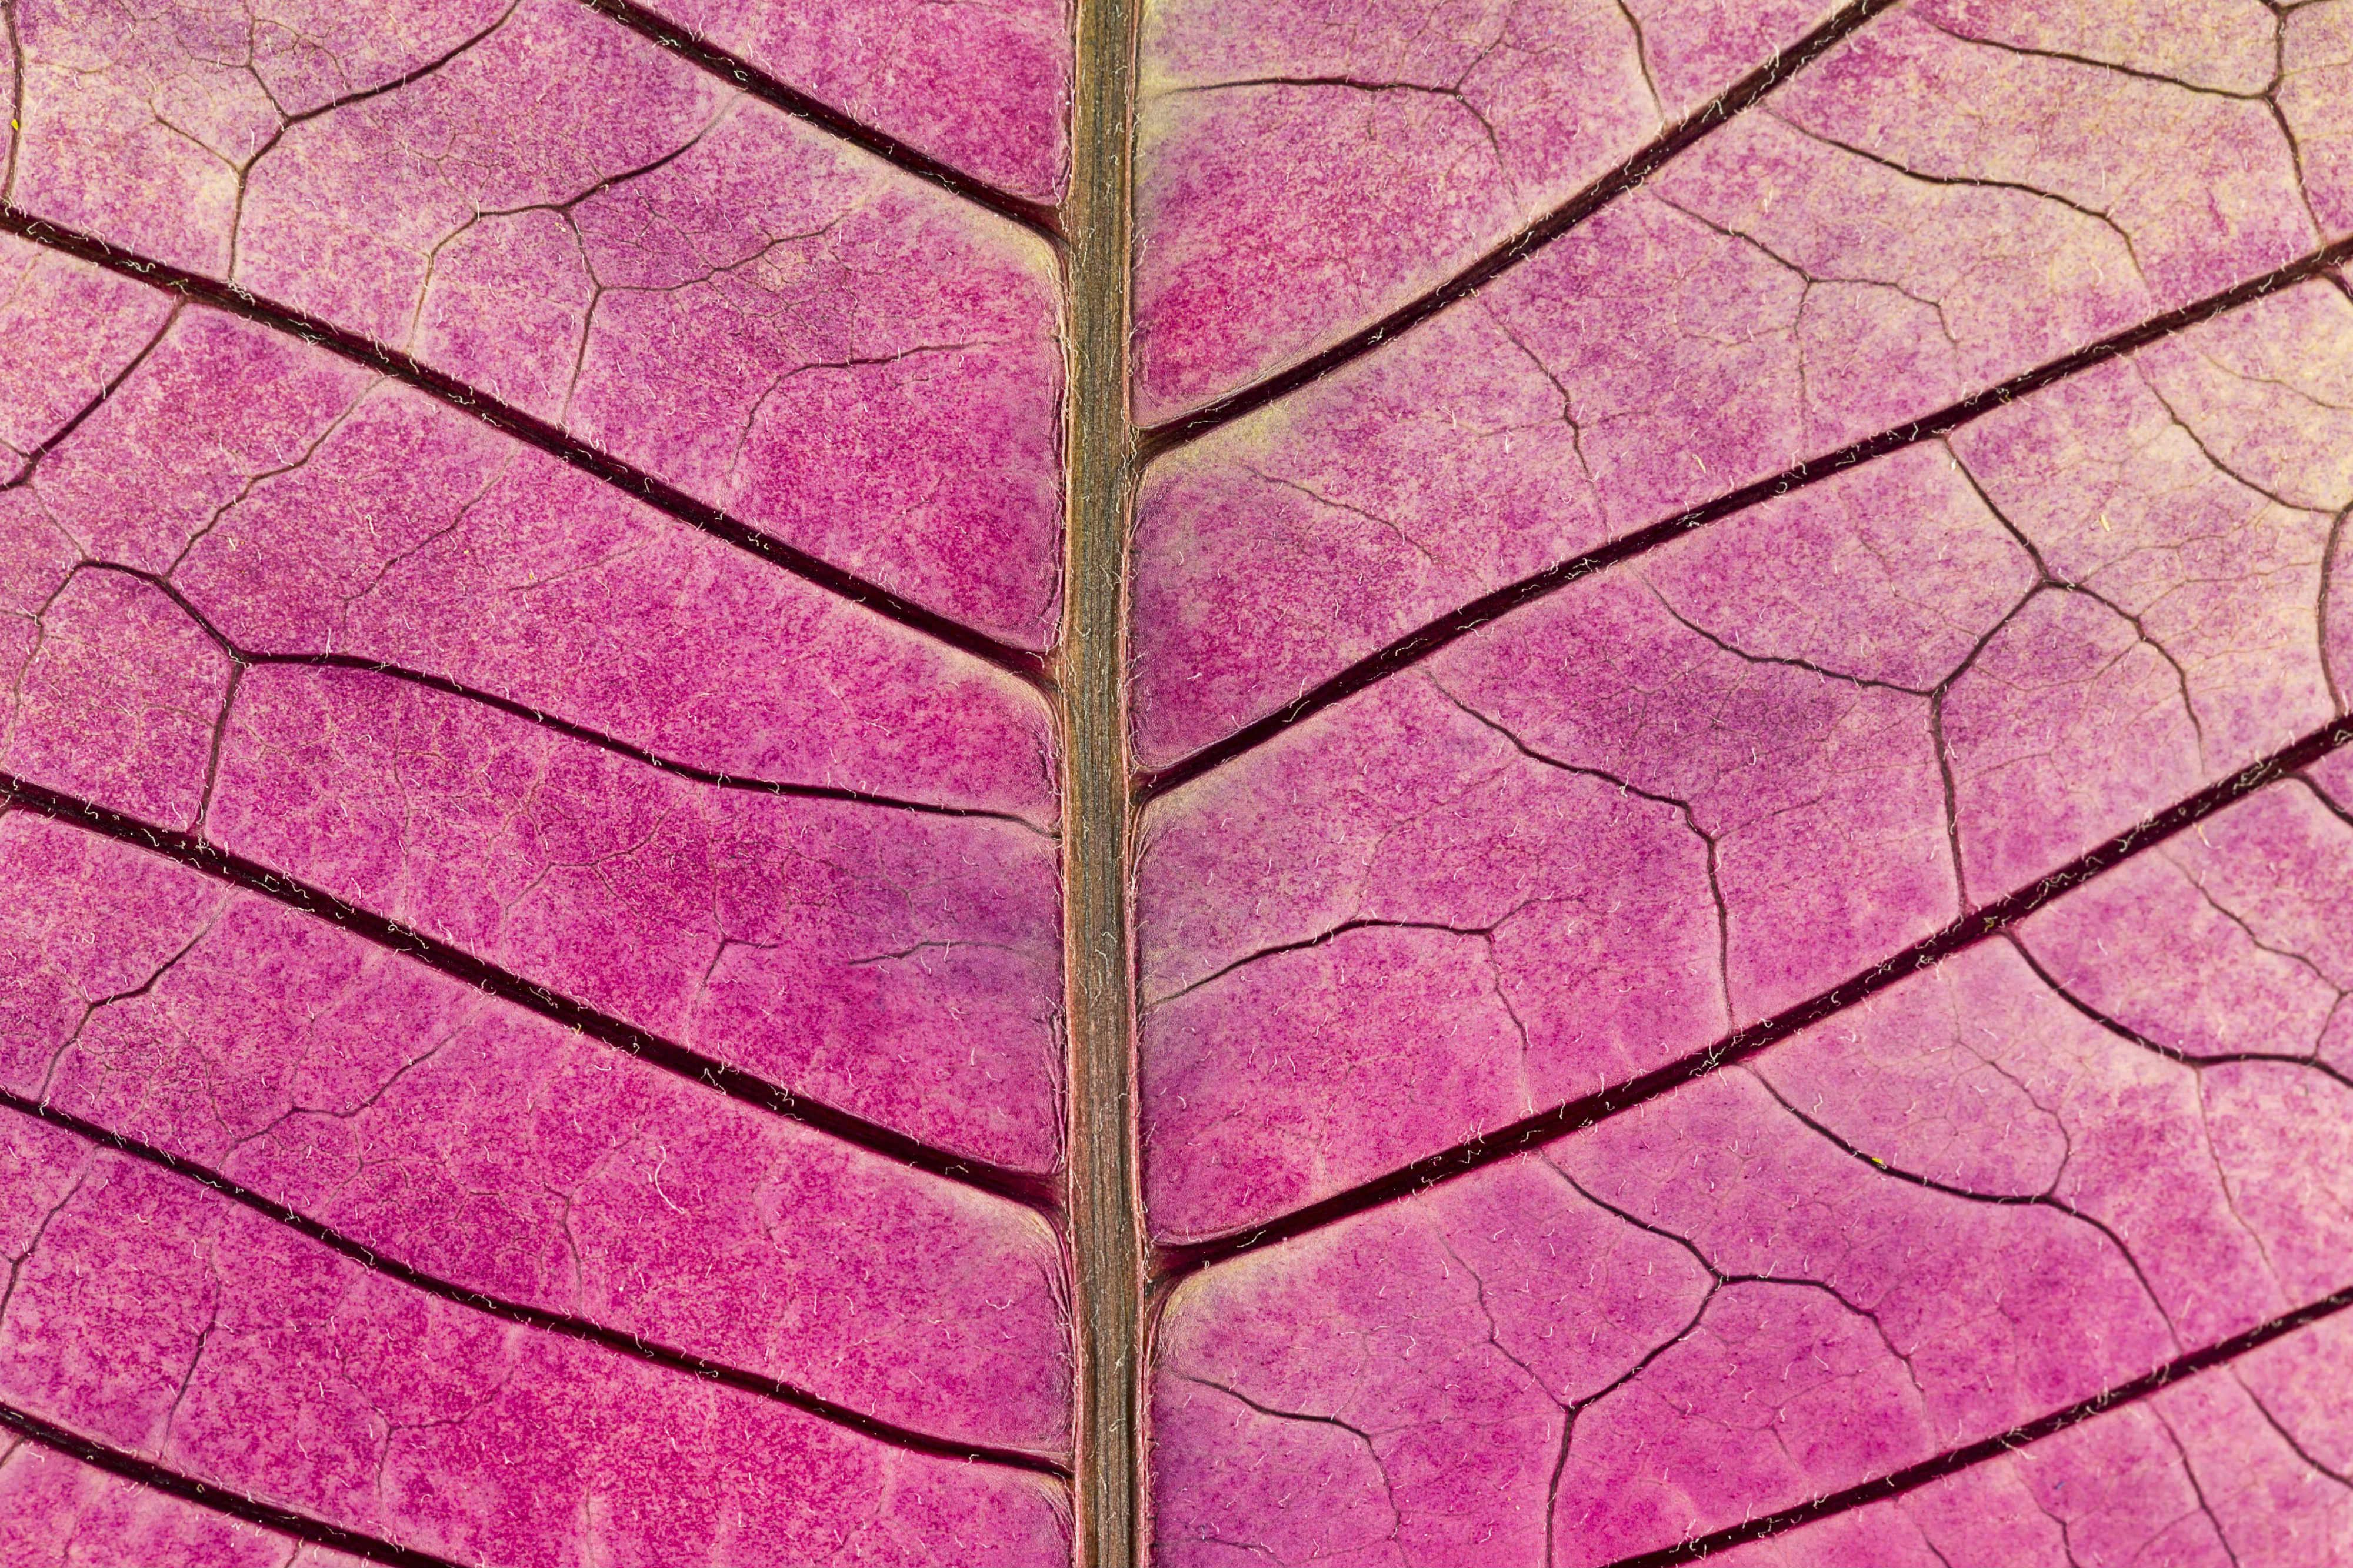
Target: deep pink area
901, 967
258, 594
1944, 1212
231, 1348
500, 1154
580, 223
304, 507
65, 331
981, 85
79, 1514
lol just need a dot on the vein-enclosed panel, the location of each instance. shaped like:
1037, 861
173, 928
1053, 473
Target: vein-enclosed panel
1696, 789
228, 1346
93, 1516
531, 1018
1747, 831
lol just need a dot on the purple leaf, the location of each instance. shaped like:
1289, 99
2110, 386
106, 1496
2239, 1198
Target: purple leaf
1722, 939
533, 973
1544, 781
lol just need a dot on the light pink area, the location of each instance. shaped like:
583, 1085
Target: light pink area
1905, 690
1303, 170
1911, 219
2230, 1466
1973, 1200
1671, 800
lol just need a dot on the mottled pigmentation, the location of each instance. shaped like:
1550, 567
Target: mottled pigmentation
173, 584
1301, 169
472, 558
500, 1153
66, 331
1976, 1197
900, 965
1741, 898
1870, 244
76, 1515
2231, 1466
530, 1018
981, 85
1742, 849
1805, 738
229, 1349
558, 210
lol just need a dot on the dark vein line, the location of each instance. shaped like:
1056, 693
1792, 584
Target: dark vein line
1855, 1152
286, 122
621, 1342
620, 748
1475, 1153
1324, 938
2066, 57
531, 431
112, 385
244, 658
212, 1498
2327, 802
1972, 182
1428, 640
710, 57
1914, 1476
1030, 1188
2321, 620
2046, 1199
1627, 176
2195, 1061
2288, 1438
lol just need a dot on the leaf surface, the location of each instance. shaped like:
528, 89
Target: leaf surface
1860, 250
532, 934
573, 221
1976, 1198
1550, 782
1745, 816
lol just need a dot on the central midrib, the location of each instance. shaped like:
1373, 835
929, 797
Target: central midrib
1103, 1213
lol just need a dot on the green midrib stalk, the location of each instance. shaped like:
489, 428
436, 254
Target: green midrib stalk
1103, 1214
